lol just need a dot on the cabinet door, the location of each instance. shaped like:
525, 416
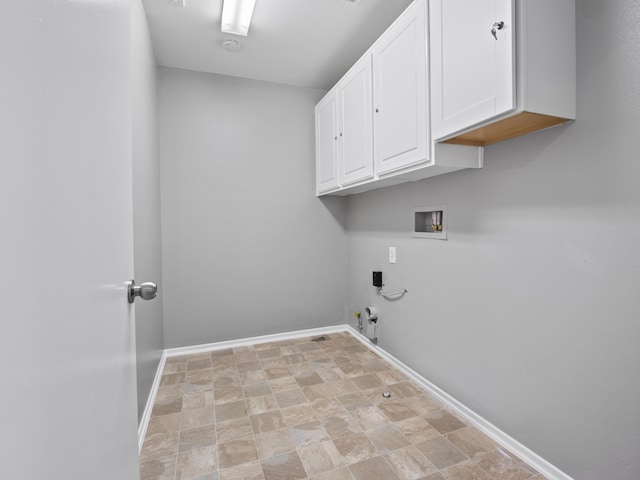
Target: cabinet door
355, 147
473, 70
327, 144
401, 129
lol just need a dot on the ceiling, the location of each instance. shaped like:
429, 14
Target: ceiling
309, 43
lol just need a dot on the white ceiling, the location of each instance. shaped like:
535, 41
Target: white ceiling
309, 43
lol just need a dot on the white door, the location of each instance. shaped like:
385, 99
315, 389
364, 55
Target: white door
67, 344
401, 129
327, 143
355, 157
473, 76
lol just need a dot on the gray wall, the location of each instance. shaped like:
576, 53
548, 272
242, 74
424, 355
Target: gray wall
247, 247
528, 314
146, 202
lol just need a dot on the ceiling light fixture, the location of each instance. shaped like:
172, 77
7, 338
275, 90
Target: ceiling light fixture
236, 16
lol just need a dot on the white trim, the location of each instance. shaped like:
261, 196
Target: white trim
146, 415
531, 458
276, 337
536, 461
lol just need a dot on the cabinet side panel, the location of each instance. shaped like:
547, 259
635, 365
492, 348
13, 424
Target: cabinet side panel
547, 45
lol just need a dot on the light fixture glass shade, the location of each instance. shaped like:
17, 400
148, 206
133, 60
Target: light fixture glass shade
236, 16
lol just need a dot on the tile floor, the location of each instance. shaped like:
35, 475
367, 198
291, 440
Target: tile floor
300, 409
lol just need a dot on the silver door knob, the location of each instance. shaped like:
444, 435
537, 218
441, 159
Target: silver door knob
146, 291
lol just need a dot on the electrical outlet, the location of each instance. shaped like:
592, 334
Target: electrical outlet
392, 254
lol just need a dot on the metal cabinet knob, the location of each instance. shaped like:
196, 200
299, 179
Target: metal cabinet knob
146, 291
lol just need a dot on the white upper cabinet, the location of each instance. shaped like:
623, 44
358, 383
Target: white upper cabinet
476, 78
401, 127
355, 125
500, 68
327, 144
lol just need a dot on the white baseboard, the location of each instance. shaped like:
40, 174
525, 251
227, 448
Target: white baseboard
146, 415
276, 337
531, 458
540, 464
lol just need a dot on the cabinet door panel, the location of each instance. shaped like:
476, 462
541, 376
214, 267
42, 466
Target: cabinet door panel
326, 144
356, 124
474, 72
400, 93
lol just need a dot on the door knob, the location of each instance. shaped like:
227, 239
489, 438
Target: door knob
146, 290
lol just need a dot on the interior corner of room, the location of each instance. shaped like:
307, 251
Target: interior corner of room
260, 176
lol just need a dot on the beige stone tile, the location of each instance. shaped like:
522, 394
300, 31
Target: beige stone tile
308, 347
290, 398
327, 407
355, 348
273, 362
387, 438
233, 429
177, 367
340, 425
199, 375
266, 403
286, 466
172, 379
273, 373
355, 448
195, 463
502, 466
265, 422
397, 411
339, 474
422, 404
409, 463
246, 357
237, 452
441, 452
257, 389
288, 350
197, 417
391, 377
200, 363
331, 374
226, 352
252, 376
354, 370
167, 406
294, 358
471, 442
405, 389
298, 414
308, 378
375, 468
443, 421
229, 411
159, 445
434, 476
164, 424
282, 384
465, 471
417, 429
228, 394
320, 457
354, 401
163, 468
170, 391
249, 366
198, 399
274, 442
343, 387
369, 417
197, 437
308, 433
376, 365
246, 471
367, 382
319, 391
269, 353
226, 379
